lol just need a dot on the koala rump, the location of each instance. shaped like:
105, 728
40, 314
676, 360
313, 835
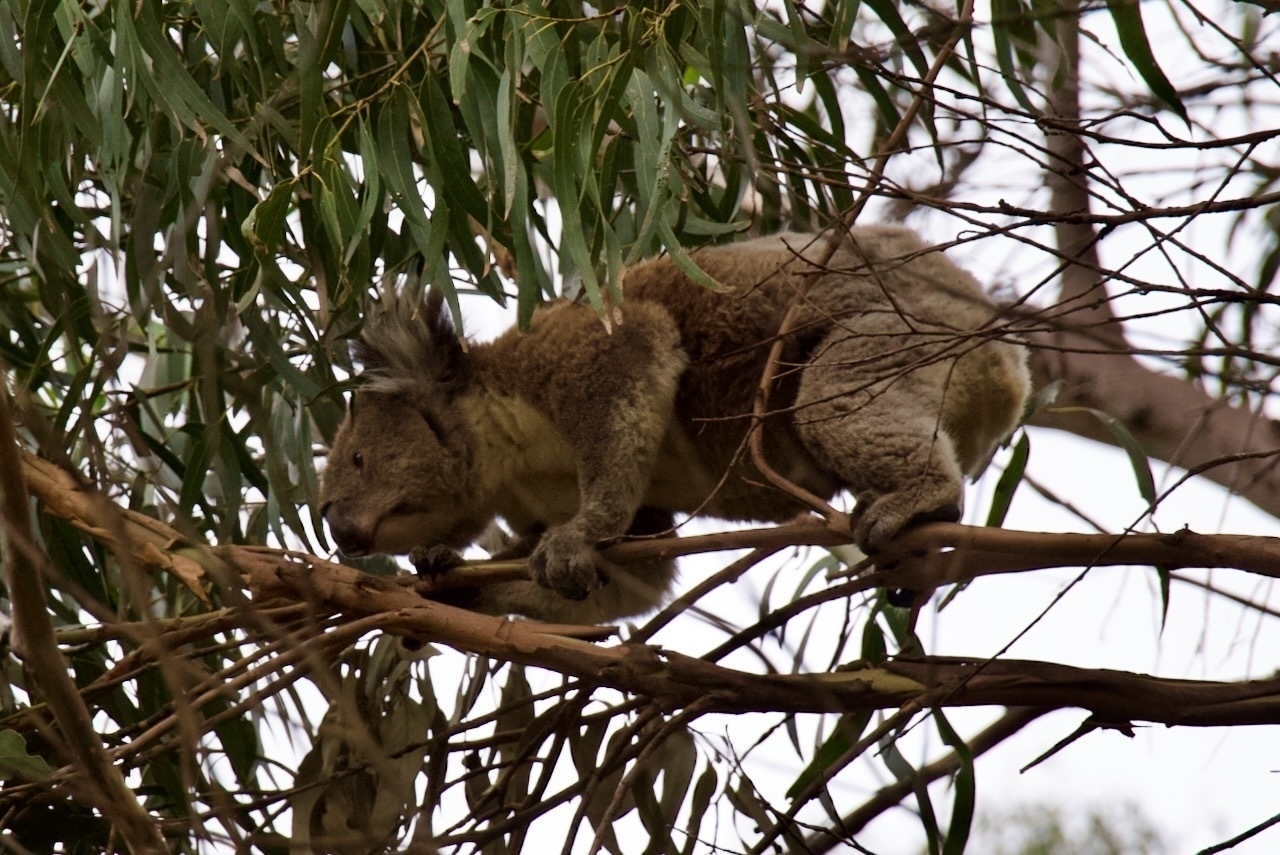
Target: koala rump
894, 385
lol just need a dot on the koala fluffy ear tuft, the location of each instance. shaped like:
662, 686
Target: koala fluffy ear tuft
405, 344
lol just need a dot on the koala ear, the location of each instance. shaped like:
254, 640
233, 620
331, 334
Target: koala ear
409, 346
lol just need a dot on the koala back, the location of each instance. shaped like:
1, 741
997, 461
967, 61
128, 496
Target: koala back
904, 305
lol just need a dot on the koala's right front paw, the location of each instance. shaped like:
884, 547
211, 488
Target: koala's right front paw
885, 518
565, 562
431, 561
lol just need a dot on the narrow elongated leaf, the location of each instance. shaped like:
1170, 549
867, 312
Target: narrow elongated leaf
962, 807
1127, 16
171, 81
1137, 454
1002, 496
1165, 578
703, 790
1008, 20
887, 12
905, 772
848, 730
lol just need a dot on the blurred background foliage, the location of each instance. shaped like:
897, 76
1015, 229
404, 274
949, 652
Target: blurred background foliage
200, 197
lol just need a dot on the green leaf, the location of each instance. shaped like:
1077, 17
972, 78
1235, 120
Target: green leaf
397, 170
1127, 441
848, 730
703, 790
507, 109
678, 755
15, 762
799, 43
1002, 497
263, 228
1127, 16
569, 122
371, 193
965, 788
887, 12
884, 102
874, 648
442, 134
1010, 25
169, 80
1165, 577
843, 15
905, 772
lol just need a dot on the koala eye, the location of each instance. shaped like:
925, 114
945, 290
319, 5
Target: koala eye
358, 460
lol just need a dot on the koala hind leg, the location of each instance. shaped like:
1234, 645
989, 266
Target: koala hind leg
878, 427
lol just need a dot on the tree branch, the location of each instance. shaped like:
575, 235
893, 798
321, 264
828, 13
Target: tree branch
927, 556
1085, 350
673, 680
1082, 289
34, 641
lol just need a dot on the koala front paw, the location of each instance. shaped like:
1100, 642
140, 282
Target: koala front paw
885, 518
565, 562
431, 561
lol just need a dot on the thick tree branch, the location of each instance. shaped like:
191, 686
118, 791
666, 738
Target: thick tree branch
923, 558
947, 553
1085, 350
1083, 292
926, 556
674, 680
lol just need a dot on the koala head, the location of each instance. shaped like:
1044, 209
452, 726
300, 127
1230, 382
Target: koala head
398, 474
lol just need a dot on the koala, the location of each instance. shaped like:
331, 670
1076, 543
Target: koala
895, 383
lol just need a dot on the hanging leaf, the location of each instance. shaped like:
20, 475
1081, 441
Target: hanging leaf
1127, 16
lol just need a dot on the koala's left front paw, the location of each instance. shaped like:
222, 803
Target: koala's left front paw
565, 562
888, 516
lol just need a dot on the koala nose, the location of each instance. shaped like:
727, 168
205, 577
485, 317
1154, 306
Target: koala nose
352, 539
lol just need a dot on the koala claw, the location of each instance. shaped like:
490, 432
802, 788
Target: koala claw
432, 561
566, 563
